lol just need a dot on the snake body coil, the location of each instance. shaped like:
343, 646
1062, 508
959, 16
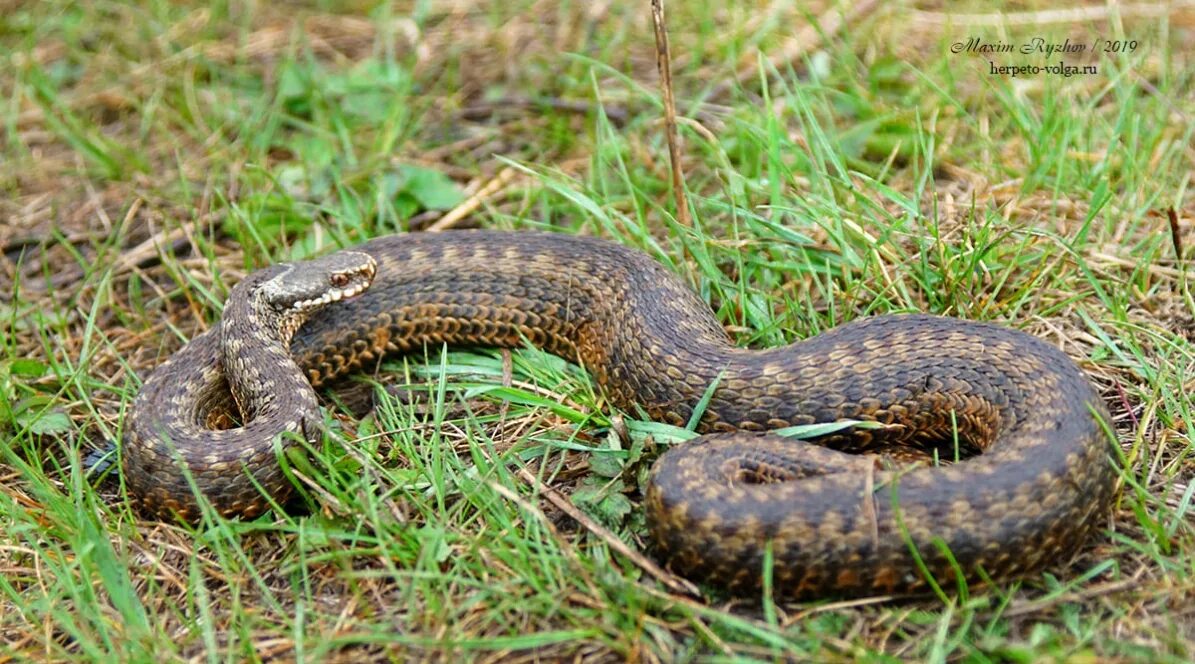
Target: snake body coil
1033, 483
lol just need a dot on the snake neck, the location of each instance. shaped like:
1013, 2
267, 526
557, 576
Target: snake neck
251, 329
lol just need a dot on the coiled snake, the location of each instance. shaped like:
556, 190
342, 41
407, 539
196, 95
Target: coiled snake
837, 522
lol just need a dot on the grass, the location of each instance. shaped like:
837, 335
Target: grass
154, 153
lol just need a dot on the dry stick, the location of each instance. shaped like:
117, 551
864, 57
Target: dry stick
1155, 270
1033, 606
535, 511
664, 64
1176, 237
156, 244
460, 212
616, 114
674, 583
1166, 101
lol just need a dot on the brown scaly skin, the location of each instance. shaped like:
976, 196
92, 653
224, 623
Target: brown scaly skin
839, 524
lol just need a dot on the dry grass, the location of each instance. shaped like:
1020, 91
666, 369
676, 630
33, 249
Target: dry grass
154, 153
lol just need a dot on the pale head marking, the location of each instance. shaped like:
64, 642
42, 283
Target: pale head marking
304, 287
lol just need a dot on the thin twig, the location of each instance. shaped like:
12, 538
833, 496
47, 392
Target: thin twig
154, 247
674, 583
534, 510
1036, 605
617, 115
664, 64
1155, 270
466, 208
1176, 237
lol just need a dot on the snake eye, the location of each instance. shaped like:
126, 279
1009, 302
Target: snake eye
339, 280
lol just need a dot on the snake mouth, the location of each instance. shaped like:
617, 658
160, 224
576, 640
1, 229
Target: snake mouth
347, 293
302, 288
342, 283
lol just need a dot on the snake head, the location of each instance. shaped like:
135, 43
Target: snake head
301, 288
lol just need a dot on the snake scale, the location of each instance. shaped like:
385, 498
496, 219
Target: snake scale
841, 517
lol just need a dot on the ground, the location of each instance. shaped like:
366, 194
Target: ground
837, 166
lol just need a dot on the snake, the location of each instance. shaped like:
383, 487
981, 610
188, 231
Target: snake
952, 450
